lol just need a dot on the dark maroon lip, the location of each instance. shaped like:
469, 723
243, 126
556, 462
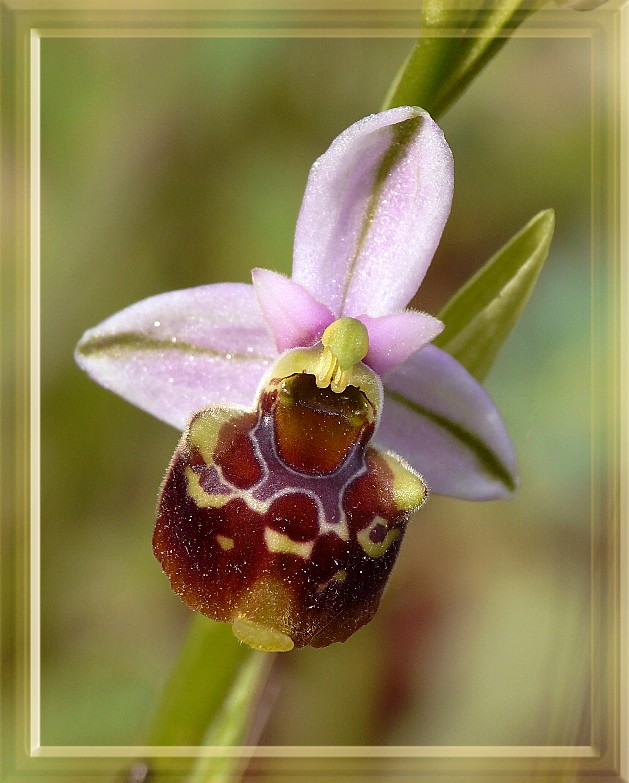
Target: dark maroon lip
284, 521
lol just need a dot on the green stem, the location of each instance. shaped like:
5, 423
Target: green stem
208, 700
457, 44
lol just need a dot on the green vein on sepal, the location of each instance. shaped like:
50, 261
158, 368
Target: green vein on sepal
480, 316
129, 342
402, 135
491, 463
457, 43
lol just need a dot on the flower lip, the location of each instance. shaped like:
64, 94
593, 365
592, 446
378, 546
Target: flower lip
351, 403
317, 428
298, 551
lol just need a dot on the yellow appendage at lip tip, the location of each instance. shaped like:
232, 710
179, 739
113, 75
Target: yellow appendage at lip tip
345, 343
261, 637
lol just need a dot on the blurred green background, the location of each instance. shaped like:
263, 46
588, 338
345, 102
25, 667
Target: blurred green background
169, 163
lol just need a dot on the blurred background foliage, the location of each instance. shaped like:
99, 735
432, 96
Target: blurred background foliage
169, 163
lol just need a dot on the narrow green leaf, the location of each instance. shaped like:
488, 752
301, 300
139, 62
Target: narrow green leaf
480, 316
204, 672
456, 44
230, 726
209, 698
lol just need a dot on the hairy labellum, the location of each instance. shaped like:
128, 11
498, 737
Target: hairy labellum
284, 521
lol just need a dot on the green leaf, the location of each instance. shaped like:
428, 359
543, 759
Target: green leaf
456, 44
480, 316
207, 665
230, 726
208, 699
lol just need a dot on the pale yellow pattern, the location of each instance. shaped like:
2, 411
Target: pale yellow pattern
202, 498
203, 435
261, 637
205, 499
279, 542
339, 576
376, 549
409, 489
205, 427
225, 542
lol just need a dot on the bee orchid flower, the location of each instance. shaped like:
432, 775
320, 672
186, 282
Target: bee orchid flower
315, 413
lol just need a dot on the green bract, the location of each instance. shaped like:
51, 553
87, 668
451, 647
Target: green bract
480, 316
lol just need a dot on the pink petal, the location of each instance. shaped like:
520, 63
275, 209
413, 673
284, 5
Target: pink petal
374, 208
294, 316
442, 421
393, 338
175, 353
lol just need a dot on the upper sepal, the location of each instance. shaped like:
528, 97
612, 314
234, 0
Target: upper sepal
373, 212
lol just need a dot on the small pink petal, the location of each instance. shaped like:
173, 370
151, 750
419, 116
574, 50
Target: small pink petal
293, 315
175, 353
373, 212
393, 338
442, 421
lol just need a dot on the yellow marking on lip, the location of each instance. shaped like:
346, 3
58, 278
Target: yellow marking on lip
202, 498
409, 488
283, 544
339, 529
266, 615
225, 542
376, 549
205, 428
261, 637
339, 576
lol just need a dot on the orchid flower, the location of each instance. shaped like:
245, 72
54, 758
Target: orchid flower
277, 513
